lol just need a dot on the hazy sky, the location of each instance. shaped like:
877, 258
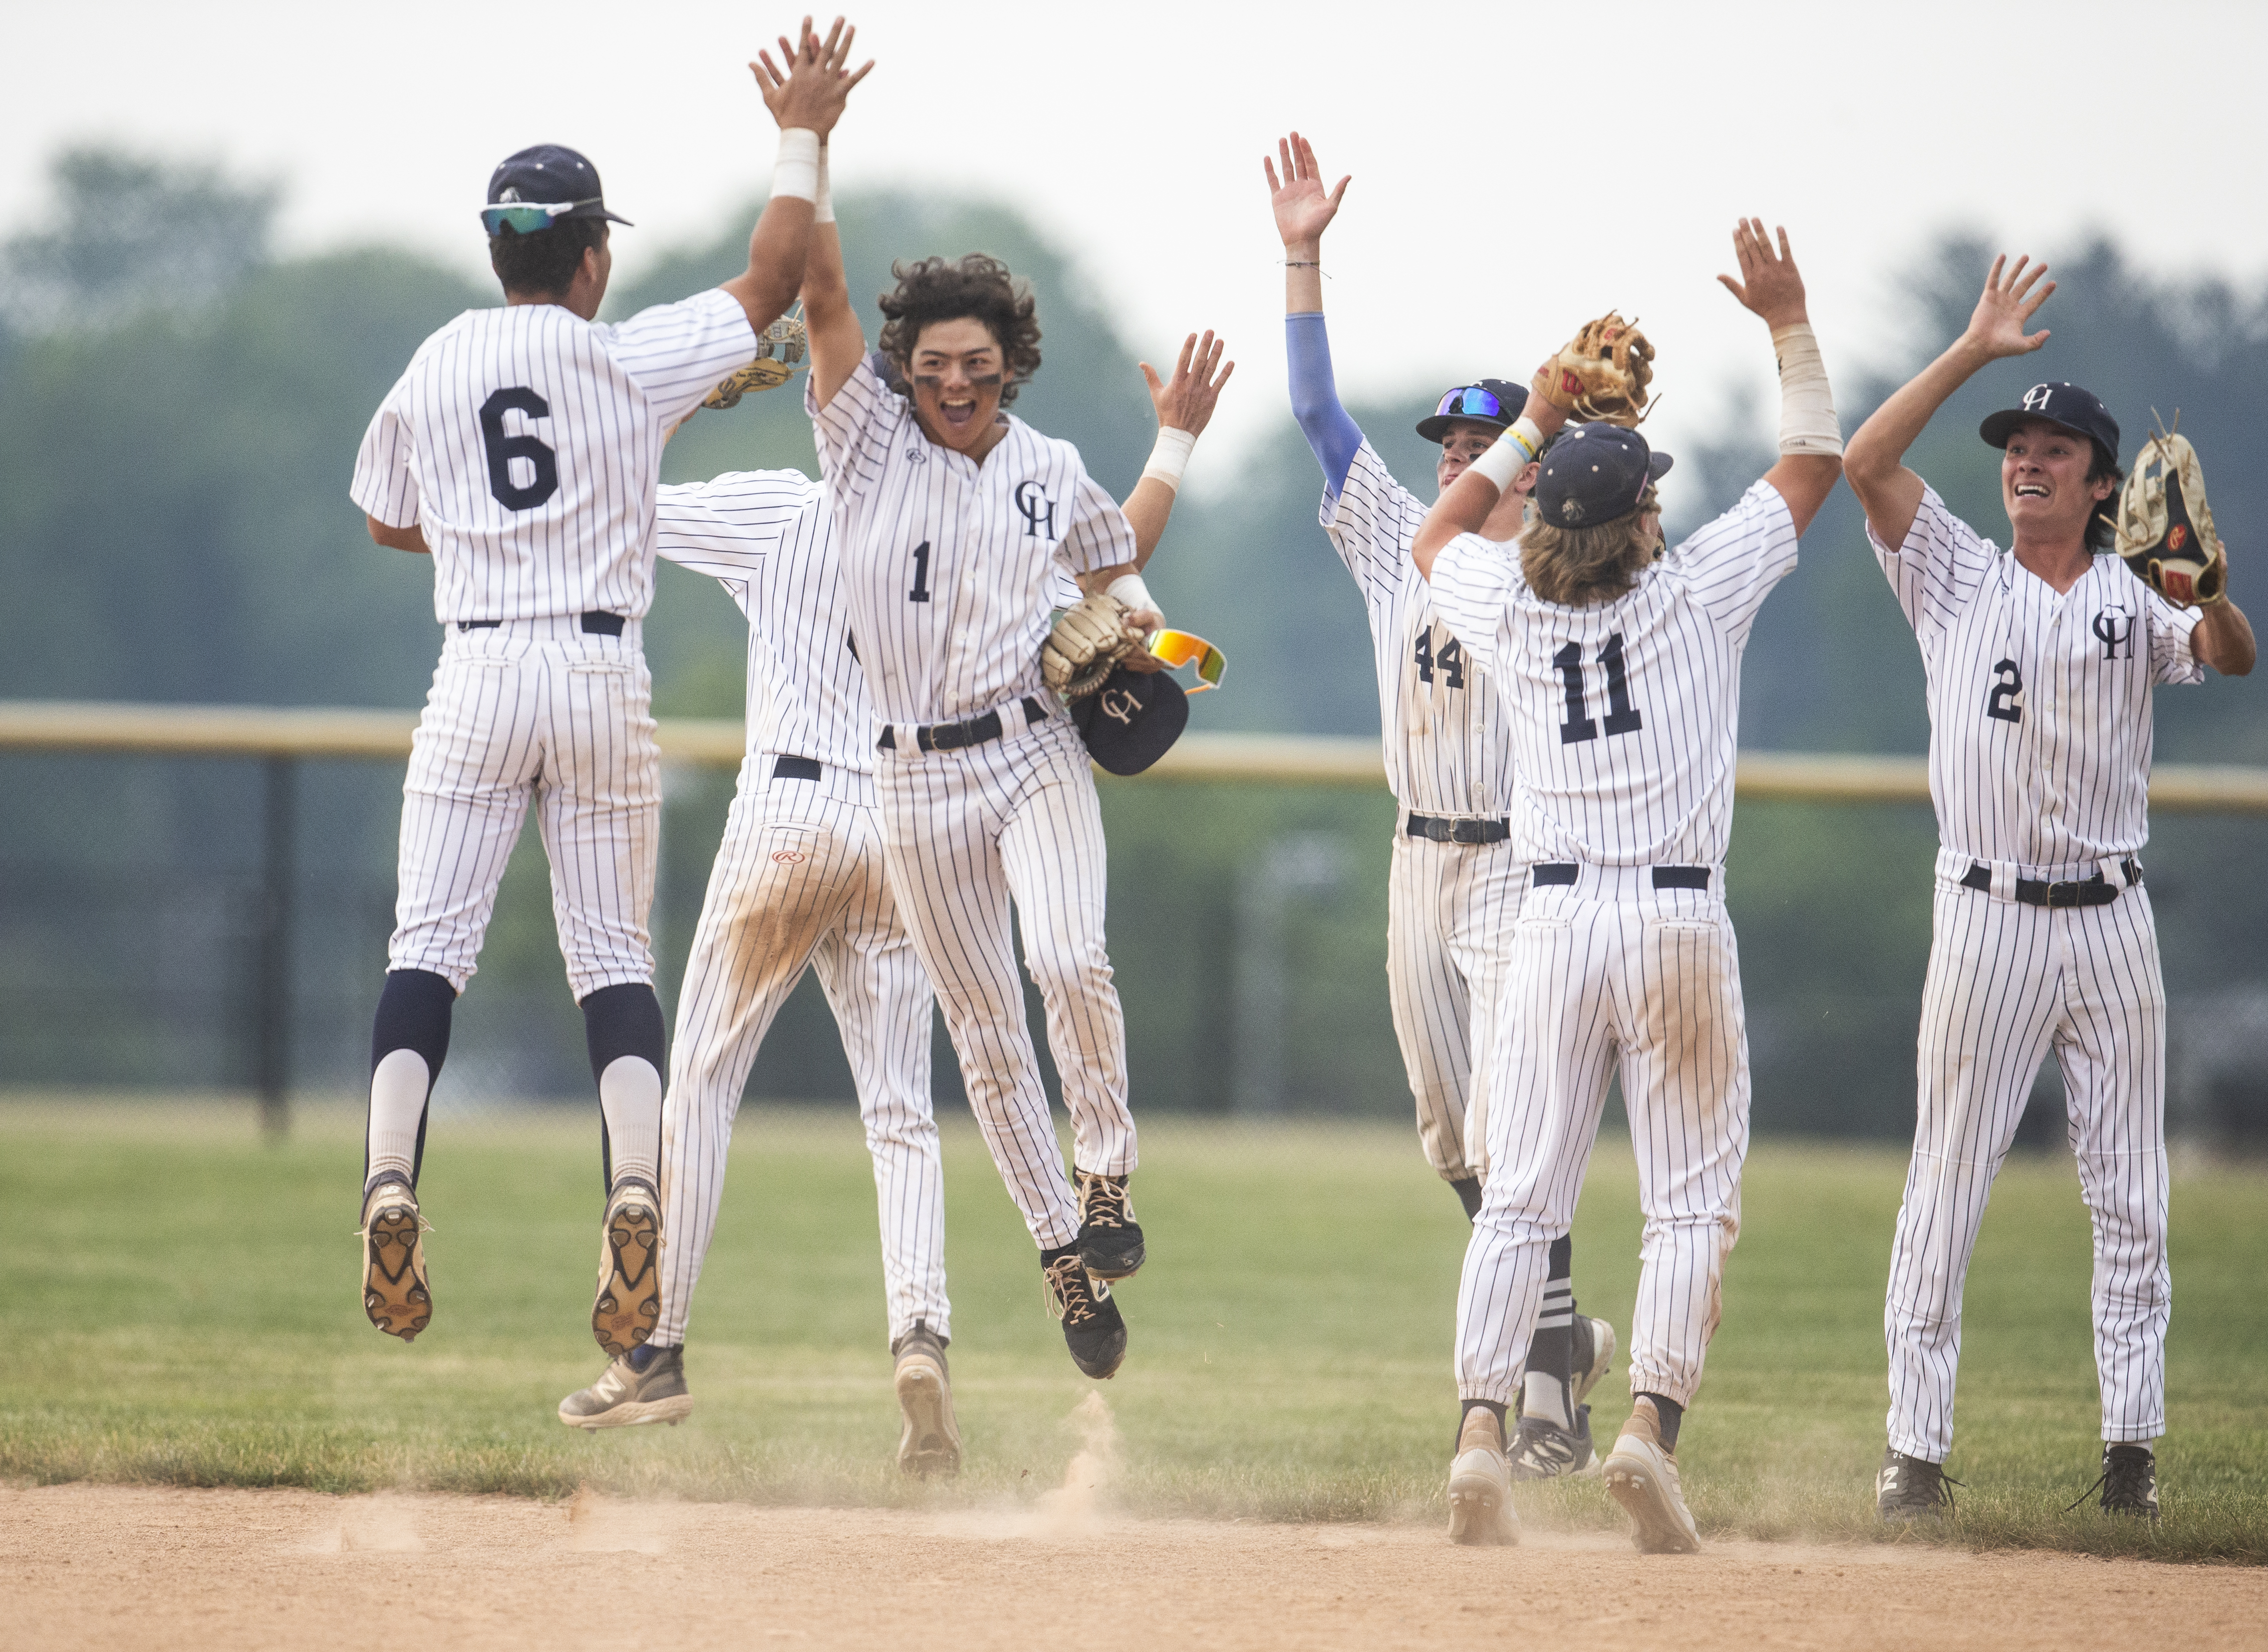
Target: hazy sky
1516, 168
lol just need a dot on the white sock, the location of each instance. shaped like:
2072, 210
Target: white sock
397, 1103
630, 1096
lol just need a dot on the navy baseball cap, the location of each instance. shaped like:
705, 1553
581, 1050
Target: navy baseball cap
548, 174
1128, 723
1496, 401
2080, 411
1594, 474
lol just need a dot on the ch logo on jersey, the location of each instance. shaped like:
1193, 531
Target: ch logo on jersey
1119, 705
2114, 627
1038, 511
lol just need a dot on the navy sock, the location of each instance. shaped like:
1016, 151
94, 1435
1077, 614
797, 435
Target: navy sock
1671, 1414
1469, 1195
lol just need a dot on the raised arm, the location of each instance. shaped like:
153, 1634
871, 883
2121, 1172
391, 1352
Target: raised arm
838, 344
1303, 211
1184, 408
1874, 461
1810, 441
805, 101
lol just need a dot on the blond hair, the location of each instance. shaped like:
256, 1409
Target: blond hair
1576, 567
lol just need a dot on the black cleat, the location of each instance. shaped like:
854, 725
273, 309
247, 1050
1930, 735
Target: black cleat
1109, 1238
2129, 1482
1544, 1450
1094, 1329
1906, 1488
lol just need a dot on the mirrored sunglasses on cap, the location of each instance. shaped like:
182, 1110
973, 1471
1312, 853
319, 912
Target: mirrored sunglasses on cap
524, 217
1471, 401
1179, 648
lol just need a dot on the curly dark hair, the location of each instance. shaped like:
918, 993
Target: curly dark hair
544, 262
933, 289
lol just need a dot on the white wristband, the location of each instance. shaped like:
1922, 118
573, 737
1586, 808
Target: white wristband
1808, 424
796, 171
1129, 590
824, 201
1171, 456
1507, 456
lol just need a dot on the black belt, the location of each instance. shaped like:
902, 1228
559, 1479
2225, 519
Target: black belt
794, 768
597, 624
951, 737
1436, 830
1664, 876
2034, 892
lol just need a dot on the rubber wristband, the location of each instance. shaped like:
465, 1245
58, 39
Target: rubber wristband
1170, 458
796, 171
824, 201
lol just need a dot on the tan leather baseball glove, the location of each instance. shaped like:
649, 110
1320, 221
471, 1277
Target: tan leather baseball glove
779, 353
1087, 641
2165, 527
1601, 373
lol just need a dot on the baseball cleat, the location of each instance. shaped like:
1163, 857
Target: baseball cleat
2129, 1482
395, 1293
1643, 1478
1480, 1485
1594, 1347
1544, 1450
630, 1272
1094, 1329
1907, 1489
1109, 1238
931, 1443
647, 1385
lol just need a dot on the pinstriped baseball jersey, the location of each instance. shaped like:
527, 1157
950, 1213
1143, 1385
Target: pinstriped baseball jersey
766, 535
1625, 715
2039, 703
1448, 743
526, 443
950, 566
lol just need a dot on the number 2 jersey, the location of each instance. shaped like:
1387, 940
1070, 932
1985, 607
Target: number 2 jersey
526, 443
1449, 746
2039, 703
1625, 715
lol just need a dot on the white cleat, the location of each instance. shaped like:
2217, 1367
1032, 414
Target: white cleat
1601, 1336
1643, 1478
1480, 1485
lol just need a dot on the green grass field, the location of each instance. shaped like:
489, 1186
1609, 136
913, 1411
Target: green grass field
183, 1306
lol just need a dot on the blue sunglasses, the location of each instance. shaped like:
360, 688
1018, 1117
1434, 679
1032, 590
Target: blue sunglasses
525, 217
1471, 401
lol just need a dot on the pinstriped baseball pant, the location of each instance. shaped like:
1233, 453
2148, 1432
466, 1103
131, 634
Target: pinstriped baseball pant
1607, 972
2006, 984
964, 833
1449, 916
532, 710
798, 883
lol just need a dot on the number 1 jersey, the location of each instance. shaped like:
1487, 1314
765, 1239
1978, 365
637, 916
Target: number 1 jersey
526, 444
1625, 715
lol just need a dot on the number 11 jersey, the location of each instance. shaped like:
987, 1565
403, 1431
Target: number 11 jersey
526, 444
1625, 715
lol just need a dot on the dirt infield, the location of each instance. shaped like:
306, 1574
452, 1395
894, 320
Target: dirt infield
150, 1568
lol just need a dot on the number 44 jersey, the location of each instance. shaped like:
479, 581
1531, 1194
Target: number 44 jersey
1625, 715
526, 443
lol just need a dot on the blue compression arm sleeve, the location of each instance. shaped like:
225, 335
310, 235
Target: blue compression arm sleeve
1329, 430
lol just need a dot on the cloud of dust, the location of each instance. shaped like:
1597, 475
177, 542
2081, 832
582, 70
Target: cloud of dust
381, 1523
1076, 1507
598, 1525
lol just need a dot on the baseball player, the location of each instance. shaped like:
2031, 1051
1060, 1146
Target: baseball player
1618, 664
519, 449
2040, 661
1456, 882
951, 521
798, 883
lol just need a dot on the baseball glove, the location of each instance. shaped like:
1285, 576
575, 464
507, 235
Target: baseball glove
1086, 642
1601, 373
2165, 527
779, 352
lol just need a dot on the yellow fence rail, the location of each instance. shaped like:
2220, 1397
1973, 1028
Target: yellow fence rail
1281, 760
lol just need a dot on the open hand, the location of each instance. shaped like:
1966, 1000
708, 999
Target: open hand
1997, 329
814, 87
1186, 403
1303, 211
1770, 283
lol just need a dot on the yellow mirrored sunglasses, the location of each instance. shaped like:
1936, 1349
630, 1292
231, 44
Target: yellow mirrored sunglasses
1179, 648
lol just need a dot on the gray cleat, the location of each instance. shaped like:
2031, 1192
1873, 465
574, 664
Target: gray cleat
625, 1396
1909, 1489
931, 1443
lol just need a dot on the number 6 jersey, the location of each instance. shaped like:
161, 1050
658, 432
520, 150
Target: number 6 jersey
1625, 715
2039, 703
526, 443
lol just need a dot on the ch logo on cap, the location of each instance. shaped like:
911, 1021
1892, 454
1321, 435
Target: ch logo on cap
2037, 397
1120, 706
